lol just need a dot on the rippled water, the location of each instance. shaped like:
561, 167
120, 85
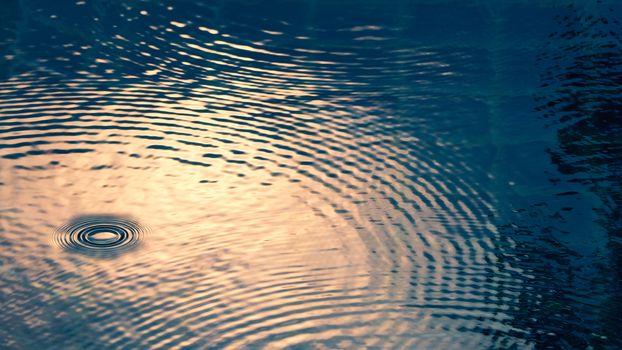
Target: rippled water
310, 174
100, 235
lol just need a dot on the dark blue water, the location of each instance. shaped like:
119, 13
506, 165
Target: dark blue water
310, 174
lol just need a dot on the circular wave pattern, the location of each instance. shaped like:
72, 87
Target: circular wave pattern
311, 183
100, 234
385, 233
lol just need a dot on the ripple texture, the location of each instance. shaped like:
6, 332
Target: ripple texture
100, 235
316, 174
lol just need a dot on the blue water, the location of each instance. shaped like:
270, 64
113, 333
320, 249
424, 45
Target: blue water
310, 174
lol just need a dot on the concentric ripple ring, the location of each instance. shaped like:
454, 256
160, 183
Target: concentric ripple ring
100, 234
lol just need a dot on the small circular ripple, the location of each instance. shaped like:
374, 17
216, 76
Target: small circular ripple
100, 234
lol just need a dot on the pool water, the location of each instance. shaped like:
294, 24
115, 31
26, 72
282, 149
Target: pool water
310, 174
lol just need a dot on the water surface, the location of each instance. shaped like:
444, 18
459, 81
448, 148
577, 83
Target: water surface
310, 174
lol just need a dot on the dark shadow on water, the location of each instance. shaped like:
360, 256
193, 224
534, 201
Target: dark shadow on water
575, 292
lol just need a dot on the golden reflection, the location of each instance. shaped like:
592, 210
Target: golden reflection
275, 203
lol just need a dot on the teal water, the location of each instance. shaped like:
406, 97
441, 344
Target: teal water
310, 174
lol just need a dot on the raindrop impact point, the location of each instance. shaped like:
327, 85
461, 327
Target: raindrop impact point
100, 235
